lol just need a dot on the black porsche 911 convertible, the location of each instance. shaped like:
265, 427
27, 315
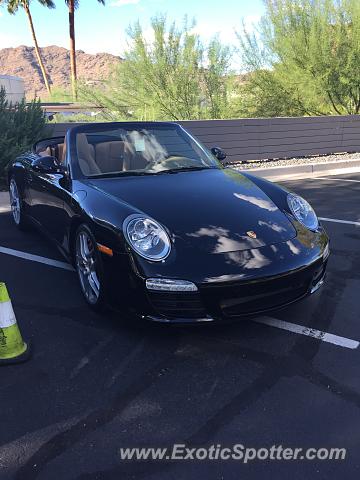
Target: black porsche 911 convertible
155, 224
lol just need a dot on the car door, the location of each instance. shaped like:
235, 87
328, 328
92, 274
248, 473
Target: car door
49, 193
47, 202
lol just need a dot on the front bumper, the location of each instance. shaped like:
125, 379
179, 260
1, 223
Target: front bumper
233, 285
236, 300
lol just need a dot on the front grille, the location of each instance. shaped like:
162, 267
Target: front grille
270, 299
244, 298
177, 305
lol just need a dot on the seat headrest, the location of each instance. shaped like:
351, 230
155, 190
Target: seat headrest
86, 155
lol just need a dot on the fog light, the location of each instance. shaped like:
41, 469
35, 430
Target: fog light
167, 285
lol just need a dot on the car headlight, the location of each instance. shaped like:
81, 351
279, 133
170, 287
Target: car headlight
302, 211
147, 237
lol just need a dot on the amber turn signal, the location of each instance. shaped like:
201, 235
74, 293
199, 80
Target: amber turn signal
105, 250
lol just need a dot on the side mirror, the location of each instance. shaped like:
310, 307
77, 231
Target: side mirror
46, 165
218, 153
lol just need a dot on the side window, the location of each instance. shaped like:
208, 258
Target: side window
44, 151
54, 147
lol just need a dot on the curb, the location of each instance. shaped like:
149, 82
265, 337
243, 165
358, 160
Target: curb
306, 171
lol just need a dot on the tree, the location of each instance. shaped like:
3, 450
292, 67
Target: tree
12, 8
72, 6
304, 58
167, 73
217, 79
21, 126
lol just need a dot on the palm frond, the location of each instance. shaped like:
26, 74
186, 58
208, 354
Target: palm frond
12, 6
77, 2
47, 3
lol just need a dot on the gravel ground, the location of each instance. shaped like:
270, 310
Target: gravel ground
286, 162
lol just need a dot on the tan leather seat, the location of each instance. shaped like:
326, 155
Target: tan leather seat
61, 152
133, 160
86, 155
55, 150
45, 153
109, 156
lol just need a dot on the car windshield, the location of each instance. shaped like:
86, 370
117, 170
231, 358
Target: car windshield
129, 150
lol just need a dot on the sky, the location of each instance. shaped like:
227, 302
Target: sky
103, 29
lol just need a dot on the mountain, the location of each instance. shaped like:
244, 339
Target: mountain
21, 61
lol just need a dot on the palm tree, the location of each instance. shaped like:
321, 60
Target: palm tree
12, 7
72, 6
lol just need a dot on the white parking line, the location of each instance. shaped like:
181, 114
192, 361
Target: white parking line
336, 179
335, 220
36, 258
308, 331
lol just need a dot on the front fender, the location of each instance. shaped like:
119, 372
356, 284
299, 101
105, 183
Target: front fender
104, 215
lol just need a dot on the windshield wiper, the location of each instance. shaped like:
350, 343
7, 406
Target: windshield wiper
186, 169
121, 174
135, 173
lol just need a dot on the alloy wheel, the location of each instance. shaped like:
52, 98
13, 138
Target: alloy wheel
15, 202
86, 264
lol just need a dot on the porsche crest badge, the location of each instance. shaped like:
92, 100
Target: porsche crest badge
251, 234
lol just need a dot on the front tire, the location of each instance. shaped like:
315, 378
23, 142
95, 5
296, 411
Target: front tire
89, 267
16, 204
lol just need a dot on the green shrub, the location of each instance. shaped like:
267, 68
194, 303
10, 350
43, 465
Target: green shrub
21, 125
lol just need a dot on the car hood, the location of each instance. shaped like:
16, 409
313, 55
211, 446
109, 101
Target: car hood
215, 210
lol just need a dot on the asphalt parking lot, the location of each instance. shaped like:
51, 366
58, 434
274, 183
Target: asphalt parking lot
96, 383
